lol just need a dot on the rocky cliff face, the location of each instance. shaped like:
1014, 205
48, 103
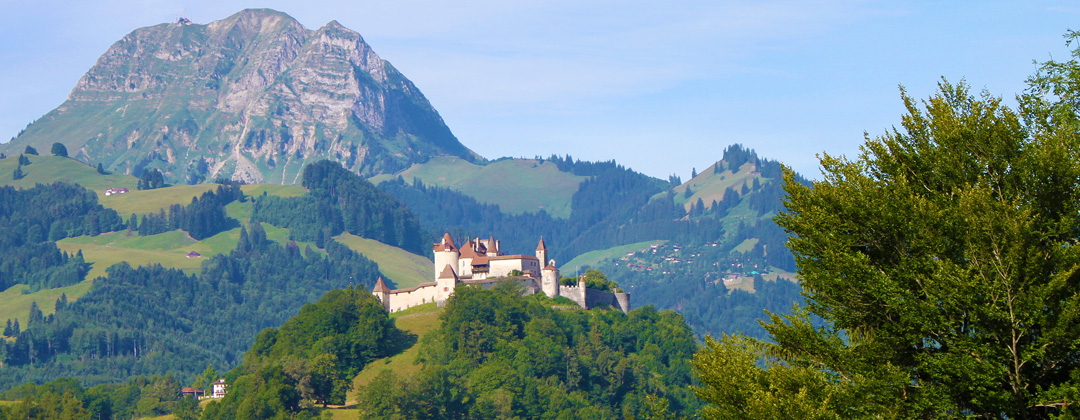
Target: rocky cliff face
252, 97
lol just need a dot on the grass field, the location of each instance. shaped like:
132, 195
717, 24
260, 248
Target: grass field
49, 169
418, 320
709, 186
746, 283
592, 258
16, 305
168, 249
524, 185
256, 190
152, 201
746, 245
402, 267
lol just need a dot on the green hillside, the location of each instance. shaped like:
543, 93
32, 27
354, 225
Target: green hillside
419, 321
516, 185
15, 304
401, 267
710, 185
49, 169
152, 201
594, 258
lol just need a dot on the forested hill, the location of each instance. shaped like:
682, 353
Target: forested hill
494, 354
156, 320
716, 225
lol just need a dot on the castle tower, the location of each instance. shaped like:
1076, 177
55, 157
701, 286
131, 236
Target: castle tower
446, 253
541, 251
382, 292
549, 280
623, 299
445, 284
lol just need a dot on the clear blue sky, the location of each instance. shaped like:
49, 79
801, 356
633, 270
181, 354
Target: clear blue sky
661, 87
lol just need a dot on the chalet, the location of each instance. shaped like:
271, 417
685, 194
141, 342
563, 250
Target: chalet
194, 254
219, 388
117, 190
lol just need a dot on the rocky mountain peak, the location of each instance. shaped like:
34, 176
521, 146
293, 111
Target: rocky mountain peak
253, 96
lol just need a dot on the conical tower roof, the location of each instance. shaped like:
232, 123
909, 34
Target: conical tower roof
541, 246
448, 273
380, 286
447, 240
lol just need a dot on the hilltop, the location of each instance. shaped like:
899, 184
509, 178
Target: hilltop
251, 97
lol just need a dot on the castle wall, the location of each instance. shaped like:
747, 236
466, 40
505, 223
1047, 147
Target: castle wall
502, 266
574, 293
620, 301
407, 298
528, 285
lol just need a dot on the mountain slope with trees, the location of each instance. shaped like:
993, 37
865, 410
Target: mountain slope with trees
153, 320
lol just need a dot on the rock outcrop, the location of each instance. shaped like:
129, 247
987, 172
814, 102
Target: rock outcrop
251, 97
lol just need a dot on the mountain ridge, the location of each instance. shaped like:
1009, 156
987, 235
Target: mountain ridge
251, 97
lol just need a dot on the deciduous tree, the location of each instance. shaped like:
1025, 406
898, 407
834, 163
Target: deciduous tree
944, 259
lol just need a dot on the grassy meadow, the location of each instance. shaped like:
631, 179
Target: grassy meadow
50, 169
592, 258
524, 185
401, 267
419, 321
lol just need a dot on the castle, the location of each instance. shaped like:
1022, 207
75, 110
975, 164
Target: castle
480, 262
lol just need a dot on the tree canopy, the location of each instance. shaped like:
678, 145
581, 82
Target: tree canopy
944, 261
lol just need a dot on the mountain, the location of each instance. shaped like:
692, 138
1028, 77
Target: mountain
253, 97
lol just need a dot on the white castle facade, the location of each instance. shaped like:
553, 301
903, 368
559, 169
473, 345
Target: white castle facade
479, 262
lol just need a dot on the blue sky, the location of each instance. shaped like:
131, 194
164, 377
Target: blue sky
661, 87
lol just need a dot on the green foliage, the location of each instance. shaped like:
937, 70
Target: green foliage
312, 358
498, 354
32, 219
58, 149
30, 150
65, 399
266, 393
596, 279
341, 201
331, 341
610, 208
203, 218
152, 320
151, 179
943, 259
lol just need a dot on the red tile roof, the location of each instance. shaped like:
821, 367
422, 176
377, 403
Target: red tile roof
541, 246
